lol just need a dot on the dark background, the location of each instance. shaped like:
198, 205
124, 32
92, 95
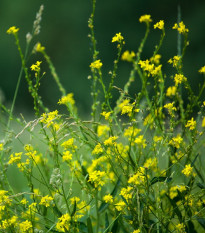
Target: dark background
64, 33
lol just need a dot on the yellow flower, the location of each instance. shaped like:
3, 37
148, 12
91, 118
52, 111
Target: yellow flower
69, 144
108, 198
46, 201
67, 99
15, 158
145, 18
176, 141
191, 124
156, 59
203, 122
175, 61
159, 25
74, 199
102, 130
1, 146
171, 91
136, 231
12, 30
96, 177
180, 228
98, 149
128, 56
187, 171
39, 47
47, 118
63, 223
179, 78
138, 177
120, 205
180, 28
170, 107
25, 226
141, 141
117, 38
106, 115
126, 192
67, 156
36, 67
202, 70
110, 141
96, 64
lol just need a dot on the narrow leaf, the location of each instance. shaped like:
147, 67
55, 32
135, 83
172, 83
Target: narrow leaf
201, 222
160, 179
89, 225
201, 186
175, 208
115, 226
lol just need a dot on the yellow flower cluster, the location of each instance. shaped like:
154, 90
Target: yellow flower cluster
128, 56
179, 78
187, 171
67, 99
180, 28
191, 124
110, 141
97, 178
202, 70
1, 146
171, 91
150, 68
138, 178
140, 141
48, 118
170, 107
96, 64
39, 47
159, 25
173, 190
63, 223
12, 30
97, 150
145, 19
106, 115
36, 67
176, 60
176, 141
108, 198
102, 130
126, 193
46, 201
118, 38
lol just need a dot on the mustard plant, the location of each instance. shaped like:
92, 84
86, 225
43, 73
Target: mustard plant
135, 166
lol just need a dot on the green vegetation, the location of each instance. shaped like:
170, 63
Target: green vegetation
136, 165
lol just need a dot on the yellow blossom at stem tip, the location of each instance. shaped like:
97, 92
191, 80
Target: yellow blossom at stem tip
117, 38
145, 19
202, 70
159, 25
12, 30
96, 64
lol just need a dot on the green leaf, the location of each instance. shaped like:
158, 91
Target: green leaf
201, 222
115, 227
89, 225
160, 179
74, 209
175, 208
106, 223
104, 205
192, 164
201, 186
82, 227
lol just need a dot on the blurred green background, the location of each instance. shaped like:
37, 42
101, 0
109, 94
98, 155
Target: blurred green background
64, 33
